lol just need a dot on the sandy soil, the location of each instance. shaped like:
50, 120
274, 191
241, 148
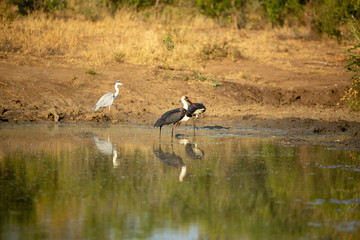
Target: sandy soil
300, 102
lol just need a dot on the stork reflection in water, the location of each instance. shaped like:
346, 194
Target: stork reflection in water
172, 160
107, 148
191, 148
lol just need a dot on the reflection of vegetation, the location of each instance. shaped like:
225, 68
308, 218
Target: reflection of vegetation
237, 189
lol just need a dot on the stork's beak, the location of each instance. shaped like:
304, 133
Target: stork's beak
193, 105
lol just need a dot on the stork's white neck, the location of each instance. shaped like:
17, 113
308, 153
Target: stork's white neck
186, 104
182, 173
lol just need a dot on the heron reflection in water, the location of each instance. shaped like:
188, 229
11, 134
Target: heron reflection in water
107, 148
172, 160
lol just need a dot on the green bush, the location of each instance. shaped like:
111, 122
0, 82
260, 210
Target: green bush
327, 16
278, 11
27, 6
168, 42
322, 16
352, 93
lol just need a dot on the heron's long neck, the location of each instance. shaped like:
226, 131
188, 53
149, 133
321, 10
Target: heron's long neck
186, 105
117, 90
114, 155
115, 163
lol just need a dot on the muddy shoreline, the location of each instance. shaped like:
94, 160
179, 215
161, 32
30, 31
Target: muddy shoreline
291, 132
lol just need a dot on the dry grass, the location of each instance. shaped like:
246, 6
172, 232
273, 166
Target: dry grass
246, 76
168, 41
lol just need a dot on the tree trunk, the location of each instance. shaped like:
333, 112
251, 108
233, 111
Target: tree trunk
234, 15
156, 11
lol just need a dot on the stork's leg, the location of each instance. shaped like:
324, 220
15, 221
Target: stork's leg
172, 132
194, 125
160, 135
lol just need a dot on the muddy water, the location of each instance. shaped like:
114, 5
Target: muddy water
117, 182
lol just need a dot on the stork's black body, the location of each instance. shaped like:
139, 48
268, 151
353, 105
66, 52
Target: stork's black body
175, 116
195, 110
171, 117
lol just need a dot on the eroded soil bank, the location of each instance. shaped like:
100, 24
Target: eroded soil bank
298, 104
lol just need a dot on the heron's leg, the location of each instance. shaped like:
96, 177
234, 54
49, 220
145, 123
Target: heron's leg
110, 112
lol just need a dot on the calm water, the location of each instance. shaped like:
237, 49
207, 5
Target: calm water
116, 182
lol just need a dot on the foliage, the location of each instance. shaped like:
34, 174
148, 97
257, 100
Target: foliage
326, 16
322, 16
220, 50
222, 9
168, 42
119, 57
212, 81
90, 71
352, 93
279, 10
137, 4
28, 6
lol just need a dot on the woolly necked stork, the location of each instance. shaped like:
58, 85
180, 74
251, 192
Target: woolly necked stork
195, 110
175, 116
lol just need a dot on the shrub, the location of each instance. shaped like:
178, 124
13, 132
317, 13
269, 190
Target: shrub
217, 50
119, 57
212, 81
168, 42
90, 71
28, 6
352, 93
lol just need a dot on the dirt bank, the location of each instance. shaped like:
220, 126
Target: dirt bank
300, 96
282, 99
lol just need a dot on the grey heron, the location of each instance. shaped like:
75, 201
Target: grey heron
175, 116
107, 99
